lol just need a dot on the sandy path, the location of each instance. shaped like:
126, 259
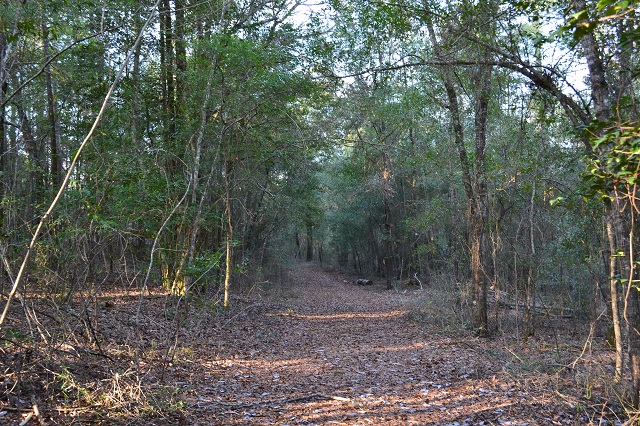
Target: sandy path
325, 351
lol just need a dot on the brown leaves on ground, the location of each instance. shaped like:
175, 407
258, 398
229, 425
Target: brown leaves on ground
319, 350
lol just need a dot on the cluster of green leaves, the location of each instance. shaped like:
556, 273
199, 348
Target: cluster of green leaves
617, 164
585, 21
615, 7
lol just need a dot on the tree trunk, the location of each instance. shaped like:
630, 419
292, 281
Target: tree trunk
4, 86
601, 96
633, 312
228, 237
599, 88
34, 150
167, 57
613, 286
173, 112
309, 243
180, 55
298, 247
473, 178
475, 189
136, 119
387, 192
228, 258
55, 163
624, 238
532, 269
478, 262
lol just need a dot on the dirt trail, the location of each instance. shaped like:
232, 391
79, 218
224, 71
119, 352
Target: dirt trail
322, 350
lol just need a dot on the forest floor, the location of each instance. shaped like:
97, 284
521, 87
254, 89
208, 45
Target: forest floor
317, 349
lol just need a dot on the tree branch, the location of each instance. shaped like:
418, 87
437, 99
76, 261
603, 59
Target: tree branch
44, 67
578, 115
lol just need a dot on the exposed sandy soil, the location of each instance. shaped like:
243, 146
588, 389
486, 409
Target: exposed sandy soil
314, 349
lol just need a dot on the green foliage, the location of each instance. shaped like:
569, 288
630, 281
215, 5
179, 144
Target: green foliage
583, 22
580, 24
617, 164
207, 263
615, 7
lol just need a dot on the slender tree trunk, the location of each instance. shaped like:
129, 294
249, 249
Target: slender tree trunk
228, 257
172, 104
624, 237
34, 149
228, 238
475, 188
309, 242
136, 122
387, 192
613, 289
532, 268
495, 245
180, 54
168, 77
298, 246
54, 166
195, 177
633, 312
4, 86
162, 43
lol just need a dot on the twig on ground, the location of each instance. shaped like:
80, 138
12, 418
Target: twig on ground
514, 354
27, 419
